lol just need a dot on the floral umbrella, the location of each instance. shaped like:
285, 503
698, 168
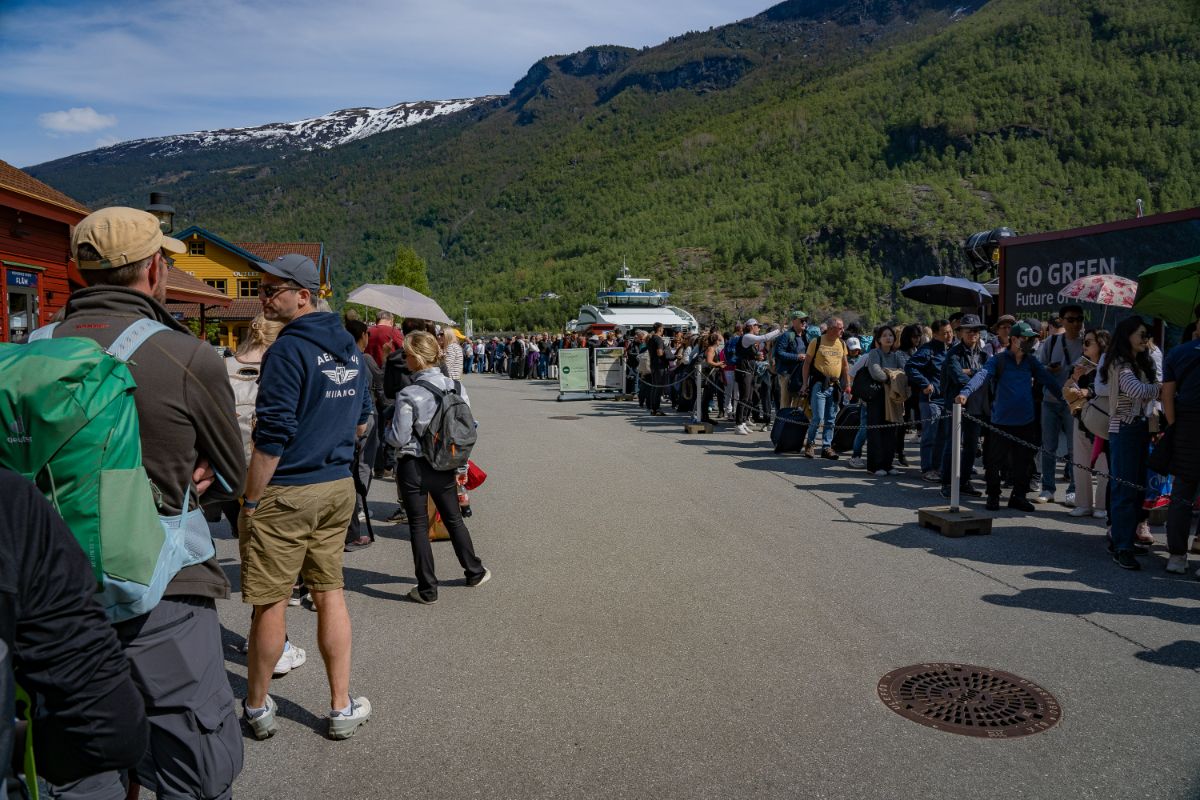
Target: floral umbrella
1106, 290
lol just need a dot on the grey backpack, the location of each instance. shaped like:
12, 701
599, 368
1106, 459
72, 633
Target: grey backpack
450, 434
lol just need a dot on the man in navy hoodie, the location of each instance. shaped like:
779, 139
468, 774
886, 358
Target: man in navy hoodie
314, 398
924, 371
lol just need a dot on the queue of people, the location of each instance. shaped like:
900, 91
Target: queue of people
280, 438
1031, 392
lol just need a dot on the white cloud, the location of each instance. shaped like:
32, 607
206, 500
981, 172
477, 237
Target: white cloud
76, 120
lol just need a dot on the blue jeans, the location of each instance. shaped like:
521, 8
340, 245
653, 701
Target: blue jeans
934, 430
860, 438
1056, 423
824, 401
1127, 451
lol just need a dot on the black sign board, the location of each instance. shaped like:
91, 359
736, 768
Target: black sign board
1034, 269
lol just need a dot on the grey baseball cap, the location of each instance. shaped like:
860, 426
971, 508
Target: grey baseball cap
296, 268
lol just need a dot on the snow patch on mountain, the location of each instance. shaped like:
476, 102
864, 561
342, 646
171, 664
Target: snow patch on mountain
329, 130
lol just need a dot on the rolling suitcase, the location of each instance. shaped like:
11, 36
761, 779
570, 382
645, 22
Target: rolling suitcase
791, 424
846, 427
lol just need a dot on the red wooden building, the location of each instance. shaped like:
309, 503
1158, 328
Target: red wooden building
35, 251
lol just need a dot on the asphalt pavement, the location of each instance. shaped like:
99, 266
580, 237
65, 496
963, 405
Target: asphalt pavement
693, 616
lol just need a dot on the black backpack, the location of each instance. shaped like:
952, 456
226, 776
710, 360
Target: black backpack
450, 435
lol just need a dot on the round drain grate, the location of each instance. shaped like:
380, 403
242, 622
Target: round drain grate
569, 418
973, 701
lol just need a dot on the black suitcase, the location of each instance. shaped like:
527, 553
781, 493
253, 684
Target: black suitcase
846, 427
791, 424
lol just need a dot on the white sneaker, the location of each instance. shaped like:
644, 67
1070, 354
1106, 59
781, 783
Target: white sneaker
742, 430
857, 463
893, 472
1044, 496
1069, 499
1100, 513
1177, 565
292, 657
1081, 511
766, 426
880, 473
343, 726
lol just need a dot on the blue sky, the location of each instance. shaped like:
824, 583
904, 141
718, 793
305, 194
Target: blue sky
78, 74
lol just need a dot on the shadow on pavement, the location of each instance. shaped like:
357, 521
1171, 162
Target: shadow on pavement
1054, 556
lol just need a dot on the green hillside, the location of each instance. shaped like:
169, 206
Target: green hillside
814, 155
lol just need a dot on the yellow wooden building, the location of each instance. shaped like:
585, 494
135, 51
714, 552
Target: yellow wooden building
232, 269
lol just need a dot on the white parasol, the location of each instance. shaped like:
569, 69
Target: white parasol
400, 300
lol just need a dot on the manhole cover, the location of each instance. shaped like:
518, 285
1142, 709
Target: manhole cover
973, 701
567, 418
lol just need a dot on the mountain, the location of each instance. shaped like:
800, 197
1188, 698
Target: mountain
237, 148
815, 155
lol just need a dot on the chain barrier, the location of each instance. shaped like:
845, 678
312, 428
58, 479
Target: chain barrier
1057, 458
720, 387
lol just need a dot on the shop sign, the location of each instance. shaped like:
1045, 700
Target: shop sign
22, 279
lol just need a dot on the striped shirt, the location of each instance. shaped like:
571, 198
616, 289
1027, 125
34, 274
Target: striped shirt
1134, 399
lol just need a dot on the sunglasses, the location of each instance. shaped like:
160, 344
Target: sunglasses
274, 289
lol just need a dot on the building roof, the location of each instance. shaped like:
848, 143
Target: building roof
22, 182
182, 287
243, 308
212, 237
269, 251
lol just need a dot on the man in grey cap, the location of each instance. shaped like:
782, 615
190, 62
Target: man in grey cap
313, 402
191, 446
790, 352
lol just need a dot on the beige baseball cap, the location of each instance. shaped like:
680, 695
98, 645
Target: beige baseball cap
121, 236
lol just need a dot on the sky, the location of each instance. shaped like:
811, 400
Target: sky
81, 74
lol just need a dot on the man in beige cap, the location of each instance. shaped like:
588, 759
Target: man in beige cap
191, 445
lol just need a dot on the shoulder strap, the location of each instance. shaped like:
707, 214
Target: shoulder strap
44, 332
134, 337
436, 391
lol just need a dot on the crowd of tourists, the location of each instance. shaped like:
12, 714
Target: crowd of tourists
127, 681
1054, 412
285, 437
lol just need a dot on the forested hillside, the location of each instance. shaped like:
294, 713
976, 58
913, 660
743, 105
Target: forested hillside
813, 155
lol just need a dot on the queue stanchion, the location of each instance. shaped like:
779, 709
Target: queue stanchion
955, 454
697, 411
953, 520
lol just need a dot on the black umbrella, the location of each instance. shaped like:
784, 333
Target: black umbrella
940, 290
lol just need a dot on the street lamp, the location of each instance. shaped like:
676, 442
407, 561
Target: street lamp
162, 209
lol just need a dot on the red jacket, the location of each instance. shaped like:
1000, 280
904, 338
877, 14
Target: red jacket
377, 336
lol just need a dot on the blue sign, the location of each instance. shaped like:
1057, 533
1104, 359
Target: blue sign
16, 278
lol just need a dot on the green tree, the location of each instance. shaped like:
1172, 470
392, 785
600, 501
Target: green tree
409, 270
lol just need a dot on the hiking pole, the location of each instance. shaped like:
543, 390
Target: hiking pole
955, 454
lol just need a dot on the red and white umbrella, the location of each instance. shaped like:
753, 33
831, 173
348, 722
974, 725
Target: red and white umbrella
1106, 290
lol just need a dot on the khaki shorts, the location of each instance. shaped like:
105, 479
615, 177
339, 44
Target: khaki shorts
296, 530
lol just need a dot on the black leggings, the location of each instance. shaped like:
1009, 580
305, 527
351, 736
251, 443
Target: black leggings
415, 481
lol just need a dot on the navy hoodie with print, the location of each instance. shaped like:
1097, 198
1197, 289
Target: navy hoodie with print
313, 392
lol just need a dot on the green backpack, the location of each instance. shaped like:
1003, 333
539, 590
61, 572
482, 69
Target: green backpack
70, 424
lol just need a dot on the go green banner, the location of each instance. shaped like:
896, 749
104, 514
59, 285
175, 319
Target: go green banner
573, 370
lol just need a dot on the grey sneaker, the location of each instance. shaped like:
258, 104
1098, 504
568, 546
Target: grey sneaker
343, 726
1177, 565
262, 724
414, 594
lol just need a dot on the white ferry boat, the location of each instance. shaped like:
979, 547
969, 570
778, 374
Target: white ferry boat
633, 306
